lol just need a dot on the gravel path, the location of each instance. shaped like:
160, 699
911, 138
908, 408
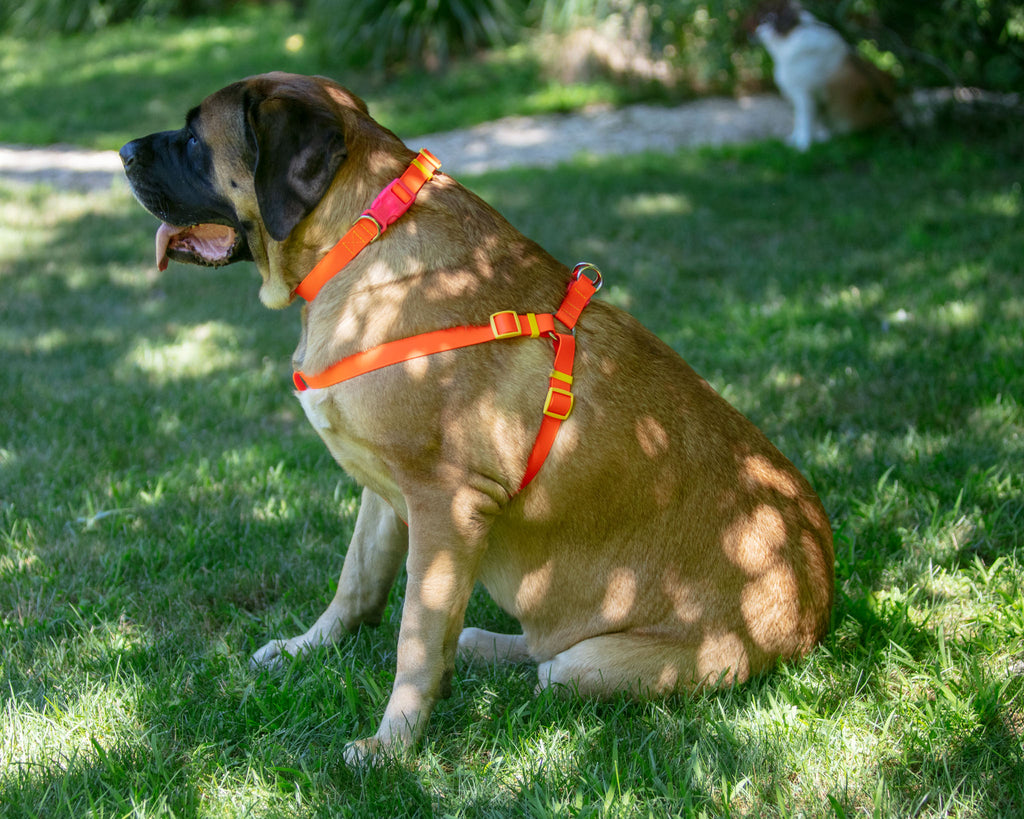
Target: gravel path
547, 140
513, 141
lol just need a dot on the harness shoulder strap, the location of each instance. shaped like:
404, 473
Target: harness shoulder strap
396, 198
559, 401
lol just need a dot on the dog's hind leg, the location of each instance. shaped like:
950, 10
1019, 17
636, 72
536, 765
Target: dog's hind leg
477, 645
375, 555
646, 666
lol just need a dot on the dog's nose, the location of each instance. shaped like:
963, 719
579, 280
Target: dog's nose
127, 154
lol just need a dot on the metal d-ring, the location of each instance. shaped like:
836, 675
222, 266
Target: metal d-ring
595, 280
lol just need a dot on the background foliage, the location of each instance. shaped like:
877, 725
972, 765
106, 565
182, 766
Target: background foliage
34, 17
928, 42
424, 32
941, 42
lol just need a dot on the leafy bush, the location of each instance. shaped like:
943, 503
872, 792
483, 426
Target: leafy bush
562, 16
963, 42
696, 38
381, 33
709, 46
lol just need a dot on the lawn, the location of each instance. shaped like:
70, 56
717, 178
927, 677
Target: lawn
165, 507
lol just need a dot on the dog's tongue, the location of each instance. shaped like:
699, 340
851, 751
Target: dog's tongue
210, 242
164, 234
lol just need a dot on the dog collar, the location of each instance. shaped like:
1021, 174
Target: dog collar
389, 205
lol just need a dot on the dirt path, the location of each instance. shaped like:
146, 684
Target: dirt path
514, 141
547, 140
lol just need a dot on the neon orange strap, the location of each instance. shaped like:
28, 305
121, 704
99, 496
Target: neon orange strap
390, 204
505, 324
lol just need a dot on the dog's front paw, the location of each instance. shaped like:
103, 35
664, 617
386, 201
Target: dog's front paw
372, 752
800, 142
361, 753
271, 656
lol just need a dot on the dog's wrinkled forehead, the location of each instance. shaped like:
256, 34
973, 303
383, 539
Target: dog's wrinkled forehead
225, 120
219, 123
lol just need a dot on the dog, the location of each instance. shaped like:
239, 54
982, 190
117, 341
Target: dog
663, 545
831, 88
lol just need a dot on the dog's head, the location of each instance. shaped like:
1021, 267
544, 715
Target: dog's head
253, 162
781, 16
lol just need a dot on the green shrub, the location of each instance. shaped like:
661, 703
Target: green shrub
562, 16
941, 42
698, 38
382, 33
710, 46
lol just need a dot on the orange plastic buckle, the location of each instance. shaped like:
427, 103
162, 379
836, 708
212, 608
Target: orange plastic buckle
560, 395
502, 317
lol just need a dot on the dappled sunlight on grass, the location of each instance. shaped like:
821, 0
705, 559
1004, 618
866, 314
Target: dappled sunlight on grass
164, 509
166, 68
195, 352
554, 96
660, 204
1009, 204
47, 723
59, 233
30, 219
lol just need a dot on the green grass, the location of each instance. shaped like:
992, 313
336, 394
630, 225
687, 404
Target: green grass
165, 508
101, 89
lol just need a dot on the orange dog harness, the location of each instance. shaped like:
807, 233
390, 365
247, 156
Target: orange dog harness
396, 198
392, 202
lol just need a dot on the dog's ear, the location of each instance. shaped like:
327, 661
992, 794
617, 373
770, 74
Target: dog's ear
299, 147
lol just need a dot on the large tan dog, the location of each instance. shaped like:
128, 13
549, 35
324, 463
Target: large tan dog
664, 545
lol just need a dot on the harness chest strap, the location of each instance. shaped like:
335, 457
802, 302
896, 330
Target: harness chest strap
504, 325
389, 205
